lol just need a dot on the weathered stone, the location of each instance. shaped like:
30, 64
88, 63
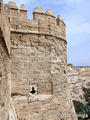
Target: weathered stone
78, 78
4, 82
34, 83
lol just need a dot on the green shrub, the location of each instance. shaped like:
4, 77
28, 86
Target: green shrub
87, 94
79, 108
88, 109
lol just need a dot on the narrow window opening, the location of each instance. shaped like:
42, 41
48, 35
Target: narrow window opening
3, 104
33, 90
0, 74
9, 19
64, 72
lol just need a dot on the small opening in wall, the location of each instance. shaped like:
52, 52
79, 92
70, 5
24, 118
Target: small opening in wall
9, 19
0, 74
3, 104
64, 71
33, 90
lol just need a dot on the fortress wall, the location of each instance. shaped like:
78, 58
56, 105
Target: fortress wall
79, 78
36, 48
39, 61
45, 23
75, 84
84, 75
4, 82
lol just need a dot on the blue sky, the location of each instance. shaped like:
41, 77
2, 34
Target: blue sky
76, 14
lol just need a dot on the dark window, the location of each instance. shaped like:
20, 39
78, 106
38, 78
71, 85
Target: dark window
0, 74
64, 72
9, 19
33, 90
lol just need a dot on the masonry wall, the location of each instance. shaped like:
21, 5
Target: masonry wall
84, 75
75, 84
4, 27
39, 64
39, 61
78, 78
36, 62
4, 82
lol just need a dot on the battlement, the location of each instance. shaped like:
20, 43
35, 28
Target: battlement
42, 23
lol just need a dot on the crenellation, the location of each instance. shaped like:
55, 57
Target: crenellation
51, 19
60, 21
12, 5
13, 9
43, 23
49, 12
38, 14
23, 11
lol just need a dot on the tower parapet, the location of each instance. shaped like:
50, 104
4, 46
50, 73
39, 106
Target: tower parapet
62, 26
50, 17
23, 11
60, 21
42, 23
38, 13
13, 9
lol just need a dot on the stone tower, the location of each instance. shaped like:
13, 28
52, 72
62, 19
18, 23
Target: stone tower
38, 65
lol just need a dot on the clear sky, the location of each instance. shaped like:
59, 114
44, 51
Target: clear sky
76, 14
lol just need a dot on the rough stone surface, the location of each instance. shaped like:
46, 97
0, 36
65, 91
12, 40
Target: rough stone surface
4, 66
39, 60
38, 67
4, 27
4, 82
84, 74
78, 78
